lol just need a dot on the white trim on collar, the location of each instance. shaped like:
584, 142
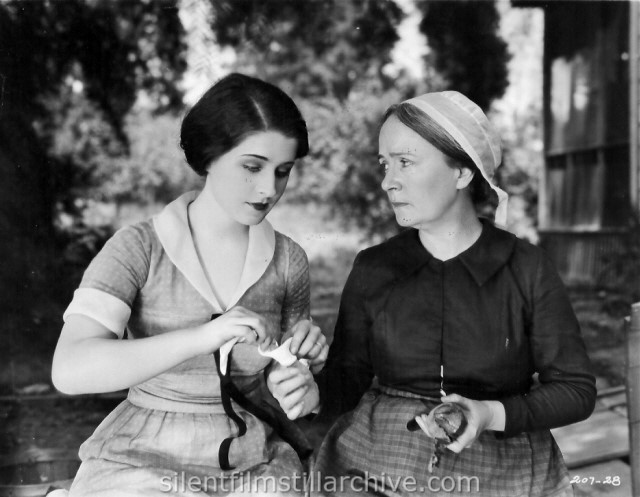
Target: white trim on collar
172, 228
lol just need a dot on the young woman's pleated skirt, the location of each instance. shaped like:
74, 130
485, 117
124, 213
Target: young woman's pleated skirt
370, 450
140, 451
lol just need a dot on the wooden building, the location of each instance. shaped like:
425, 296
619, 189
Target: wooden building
589, 185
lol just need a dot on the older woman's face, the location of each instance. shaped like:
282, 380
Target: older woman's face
420, 184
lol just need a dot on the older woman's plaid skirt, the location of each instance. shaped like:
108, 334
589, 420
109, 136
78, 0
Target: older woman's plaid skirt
370, 451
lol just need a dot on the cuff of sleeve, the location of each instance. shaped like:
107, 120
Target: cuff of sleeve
103, 307
515, 414
324, 399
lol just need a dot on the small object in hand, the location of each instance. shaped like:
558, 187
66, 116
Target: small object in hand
282, 354
445, 423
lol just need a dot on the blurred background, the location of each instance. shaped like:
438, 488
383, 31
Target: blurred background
92, 93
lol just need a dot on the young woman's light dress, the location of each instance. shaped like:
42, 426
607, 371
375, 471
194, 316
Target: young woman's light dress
148, 278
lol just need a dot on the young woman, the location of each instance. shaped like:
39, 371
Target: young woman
453, 309
199, 288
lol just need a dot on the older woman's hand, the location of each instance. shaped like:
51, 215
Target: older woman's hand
481, 415
294, 388
309, 343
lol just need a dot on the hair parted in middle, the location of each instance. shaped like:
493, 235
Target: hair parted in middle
234, 108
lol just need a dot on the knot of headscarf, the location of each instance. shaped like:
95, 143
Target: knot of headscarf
469, 126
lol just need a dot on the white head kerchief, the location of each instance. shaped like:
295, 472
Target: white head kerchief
469, 126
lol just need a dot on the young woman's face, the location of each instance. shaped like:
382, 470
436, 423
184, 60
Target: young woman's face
249, 179
421, 185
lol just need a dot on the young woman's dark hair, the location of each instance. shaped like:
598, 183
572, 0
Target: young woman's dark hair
436, 135
232, 109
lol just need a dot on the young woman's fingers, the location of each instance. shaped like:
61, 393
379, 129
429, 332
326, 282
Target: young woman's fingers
241, 316
313, 345
316, 348
258, 326
249, 329
245, 334
305, 336
318, 363
299, 333
264, 346
321, 356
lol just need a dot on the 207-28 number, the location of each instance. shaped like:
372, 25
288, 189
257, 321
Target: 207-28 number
590, 480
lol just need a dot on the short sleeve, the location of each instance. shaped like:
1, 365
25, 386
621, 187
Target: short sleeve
297, 297
111, 282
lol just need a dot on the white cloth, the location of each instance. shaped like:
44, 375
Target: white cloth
469, 126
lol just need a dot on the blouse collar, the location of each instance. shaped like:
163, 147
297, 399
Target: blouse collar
483, 259
172, 228
489, 253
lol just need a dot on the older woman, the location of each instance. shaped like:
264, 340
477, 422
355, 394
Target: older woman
453, 309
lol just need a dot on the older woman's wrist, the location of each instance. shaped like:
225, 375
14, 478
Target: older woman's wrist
311, 400
498, 415
318, 405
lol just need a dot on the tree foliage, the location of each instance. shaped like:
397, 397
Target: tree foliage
155, 170
311, 48
71, 70
114, 48
466, 47
342, 169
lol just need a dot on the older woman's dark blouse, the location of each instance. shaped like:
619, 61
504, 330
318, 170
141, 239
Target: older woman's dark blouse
492, 316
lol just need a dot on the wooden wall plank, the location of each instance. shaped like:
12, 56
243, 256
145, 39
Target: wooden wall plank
602, 437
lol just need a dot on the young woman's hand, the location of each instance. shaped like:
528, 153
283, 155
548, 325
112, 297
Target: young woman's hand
309, 343
294, 389
481, 415
237, 322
